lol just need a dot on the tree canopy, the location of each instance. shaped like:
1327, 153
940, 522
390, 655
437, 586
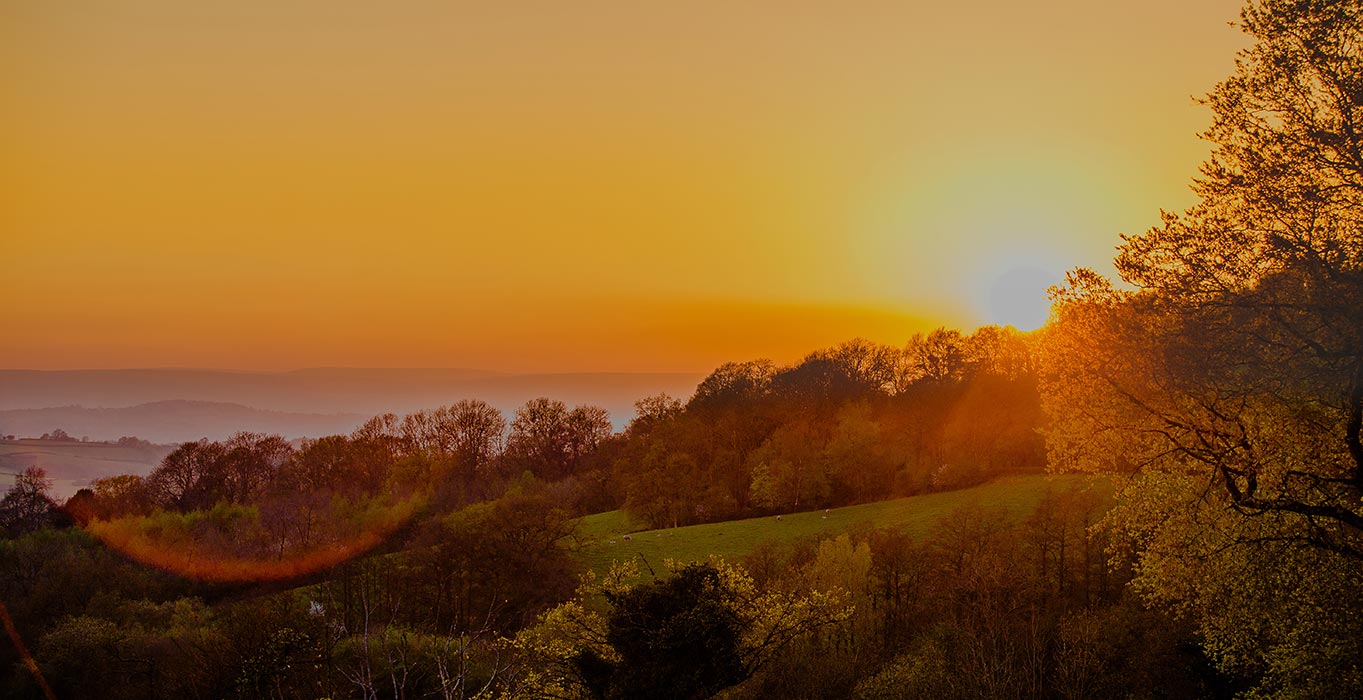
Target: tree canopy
1227, 378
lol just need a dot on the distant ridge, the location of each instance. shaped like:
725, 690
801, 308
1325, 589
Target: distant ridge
330, 390
298, 390
172, 421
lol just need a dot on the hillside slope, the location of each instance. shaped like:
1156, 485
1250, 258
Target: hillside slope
604, 532
72, 465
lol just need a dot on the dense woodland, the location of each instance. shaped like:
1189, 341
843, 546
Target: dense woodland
433, 554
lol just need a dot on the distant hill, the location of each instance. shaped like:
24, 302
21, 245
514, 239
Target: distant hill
72, 464
331, 390
172, 421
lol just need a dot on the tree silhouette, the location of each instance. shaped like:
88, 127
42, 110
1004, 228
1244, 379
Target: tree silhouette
676, 638
27, 506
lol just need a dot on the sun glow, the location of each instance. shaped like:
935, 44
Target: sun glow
1018, 297
503, 187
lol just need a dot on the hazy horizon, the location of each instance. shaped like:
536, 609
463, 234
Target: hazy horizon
124, 401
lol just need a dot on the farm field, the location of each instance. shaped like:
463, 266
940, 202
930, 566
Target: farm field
604, 533
73, 465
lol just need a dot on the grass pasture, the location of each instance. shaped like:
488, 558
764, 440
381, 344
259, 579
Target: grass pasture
73, 464
734, 539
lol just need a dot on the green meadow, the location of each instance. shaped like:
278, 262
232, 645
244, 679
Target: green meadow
603, 533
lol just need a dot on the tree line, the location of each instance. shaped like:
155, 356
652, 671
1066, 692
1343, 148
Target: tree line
475, 514
854, 423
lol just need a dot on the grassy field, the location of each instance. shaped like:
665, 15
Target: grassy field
916, 515
72, 465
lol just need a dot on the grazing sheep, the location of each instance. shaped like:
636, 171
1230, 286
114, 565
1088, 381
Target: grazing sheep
628, 538
778, 517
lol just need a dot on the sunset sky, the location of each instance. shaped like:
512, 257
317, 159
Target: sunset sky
571, 186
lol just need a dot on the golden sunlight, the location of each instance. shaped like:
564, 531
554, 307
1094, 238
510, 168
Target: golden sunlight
253, 162
610, 349
1018, 298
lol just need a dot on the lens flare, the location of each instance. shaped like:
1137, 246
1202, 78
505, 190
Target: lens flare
194, 558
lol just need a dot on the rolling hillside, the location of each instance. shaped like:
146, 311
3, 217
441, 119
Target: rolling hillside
734, 539
72, 464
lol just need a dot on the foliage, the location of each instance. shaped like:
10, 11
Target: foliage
968, 592
697, 630
122, 495
232, 543
920, 672
677, 638
164, 650
27, 506
271, 671
407, 559
603, 532
500, 562
853, 423
551, 441
1230, 380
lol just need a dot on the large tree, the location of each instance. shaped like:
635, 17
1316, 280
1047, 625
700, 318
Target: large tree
1228, 380
27, 505
189, 477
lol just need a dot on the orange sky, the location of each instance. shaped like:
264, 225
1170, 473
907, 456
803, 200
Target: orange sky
571, 185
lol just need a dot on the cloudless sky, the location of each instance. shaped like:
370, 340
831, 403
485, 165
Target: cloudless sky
559, 186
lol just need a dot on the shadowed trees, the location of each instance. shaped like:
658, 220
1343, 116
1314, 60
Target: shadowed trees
461, 526
251, 462
480, 433
677, 638
188, 478
125, 494
691, 632
471, 431
936, 357
551, 441
199, 474
27, 506
734, 381
855, 422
